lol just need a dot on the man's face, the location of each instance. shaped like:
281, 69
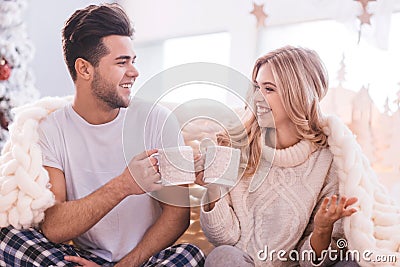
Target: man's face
113, 78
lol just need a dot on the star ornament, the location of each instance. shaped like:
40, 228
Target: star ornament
258, 11
364, 3
365, 17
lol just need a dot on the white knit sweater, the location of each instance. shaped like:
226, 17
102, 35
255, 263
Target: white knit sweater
279, 214
373, 232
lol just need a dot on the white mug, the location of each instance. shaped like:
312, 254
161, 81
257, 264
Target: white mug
221, 165
176, 165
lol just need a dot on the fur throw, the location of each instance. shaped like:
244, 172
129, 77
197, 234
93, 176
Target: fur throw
375, 228
24, 183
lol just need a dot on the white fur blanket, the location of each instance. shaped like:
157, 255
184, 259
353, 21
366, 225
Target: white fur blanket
374, 231
24, 184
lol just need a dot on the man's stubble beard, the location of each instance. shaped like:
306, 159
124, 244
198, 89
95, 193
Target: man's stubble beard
106, 92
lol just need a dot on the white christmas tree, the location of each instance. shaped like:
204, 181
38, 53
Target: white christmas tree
382, 133
341, 75
397, 101
339, 100
391, 157
361, 122
16, 51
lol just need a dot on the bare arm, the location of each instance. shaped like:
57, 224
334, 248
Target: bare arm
163, 233
83, 213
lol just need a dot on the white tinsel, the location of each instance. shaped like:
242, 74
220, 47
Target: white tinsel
18, 51
11, 13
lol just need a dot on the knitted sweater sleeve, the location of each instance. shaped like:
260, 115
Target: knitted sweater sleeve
220, 225
331, 187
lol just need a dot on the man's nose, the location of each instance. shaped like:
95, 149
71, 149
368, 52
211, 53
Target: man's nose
132, 72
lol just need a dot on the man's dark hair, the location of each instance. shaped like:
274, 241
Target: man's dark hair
83, 32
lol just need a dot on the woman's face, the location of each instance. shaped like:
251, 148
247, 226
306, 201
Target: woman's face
269, 107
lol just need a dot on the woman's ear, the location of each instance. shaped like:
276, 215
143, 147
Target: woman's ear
83, 69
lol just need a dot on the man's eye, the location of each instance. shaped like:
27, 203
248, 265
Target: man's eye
121, 62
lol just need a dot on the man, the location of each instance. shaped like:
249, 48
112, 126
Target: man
101, 204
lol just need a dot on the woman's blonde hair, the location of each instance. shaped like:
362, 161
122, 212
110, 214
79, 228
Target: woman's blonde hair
302, 82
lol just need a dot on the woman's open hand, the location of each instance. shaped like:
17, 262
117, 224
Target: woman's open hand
332, 210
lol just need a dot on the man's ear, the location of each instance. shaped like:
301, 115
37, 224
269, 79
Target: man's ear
83, 69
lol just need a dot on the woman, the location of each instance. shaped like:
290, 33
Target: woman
286, 207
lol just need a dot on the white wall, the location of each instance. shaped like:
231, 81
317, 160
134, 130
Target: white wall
158, 20
45, 19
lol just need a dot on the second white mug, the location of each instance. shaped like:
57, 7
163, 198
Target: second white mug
221, 165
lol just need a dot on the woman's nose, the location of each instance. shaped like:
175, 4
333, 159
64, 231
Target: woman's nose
258, 97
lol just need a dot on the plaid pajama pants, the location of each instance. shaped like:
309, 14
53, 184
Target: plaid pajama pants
29, 247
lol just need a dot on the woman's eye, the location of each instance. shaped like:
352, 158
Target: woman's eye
269, 89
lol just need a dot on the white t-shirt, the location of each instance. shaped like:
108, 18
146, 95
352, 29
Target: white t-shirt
91, 155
